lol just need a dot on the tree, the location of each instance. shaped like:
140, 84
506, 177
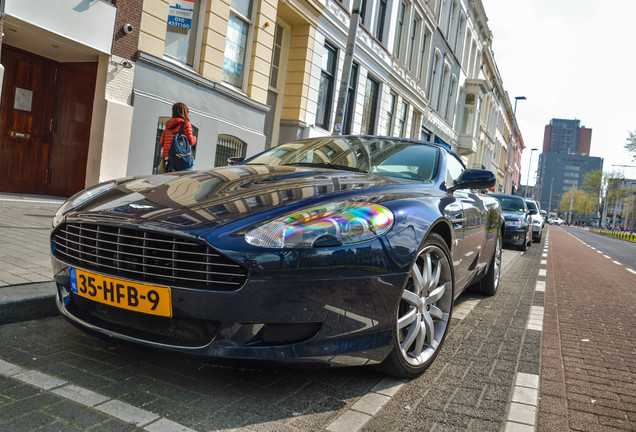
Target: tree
631, 144
584, 204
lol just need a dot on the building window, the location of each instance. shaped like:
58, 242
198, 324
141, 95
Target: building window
379, 24
363, 12
413, 43
433, 75
181, 32
351, 100
415, 124
228, 146
325, 90
402, 119
399, 29
370, 109
422, 56
390, 113
450, 104
238, 28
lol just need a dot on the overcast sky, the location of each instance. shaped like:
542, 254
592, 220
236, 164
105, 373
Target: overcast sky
572, 59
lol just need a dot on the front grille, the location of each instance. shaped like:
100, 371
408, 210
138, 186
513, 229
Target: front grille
147, 256
172, 331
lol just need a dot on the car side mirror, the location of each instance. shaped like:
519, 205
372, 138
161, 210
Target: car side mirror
533, 212
474, 179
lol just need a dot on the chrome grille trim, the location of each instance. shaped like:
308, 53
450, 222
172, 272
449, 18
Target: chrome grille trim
148, 256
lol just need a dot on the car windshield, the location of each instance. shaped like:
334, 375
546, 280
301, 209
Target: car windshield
390, 157
512, 204
531, 205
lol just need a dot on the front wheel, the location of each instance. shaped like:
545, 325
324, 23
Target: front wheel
424, 311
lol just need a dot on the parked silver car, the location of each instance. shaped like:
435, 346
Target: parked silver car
537, 220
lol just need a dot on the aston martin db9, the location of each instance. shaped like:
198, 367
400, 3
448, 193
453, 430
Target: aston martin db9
338, 250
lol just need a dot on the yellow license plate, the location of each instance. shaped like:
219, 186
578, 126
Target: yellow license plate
136, 296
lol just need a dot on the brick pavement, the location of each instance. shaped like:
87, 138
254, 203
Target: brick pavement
588, 372
471, 384
24, 230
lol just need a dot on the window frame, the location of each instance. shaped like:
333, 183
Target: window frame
370, 106
248, 46
330, 76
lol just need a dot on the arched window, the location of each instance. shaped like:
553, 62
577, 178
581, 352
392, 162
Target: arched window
228, 146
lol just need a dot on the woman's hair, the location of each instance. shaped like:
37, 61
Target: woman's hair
180, 110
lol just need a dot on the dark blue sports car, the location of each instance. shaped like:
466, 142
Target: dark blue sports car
340, 250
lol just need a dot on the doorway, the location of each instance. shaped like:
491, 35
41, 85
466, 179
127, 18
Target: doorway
45, 119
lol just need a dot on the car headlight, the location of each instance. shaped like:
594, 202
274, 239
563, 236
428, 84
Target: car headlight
515, 223
81, 197
338, 223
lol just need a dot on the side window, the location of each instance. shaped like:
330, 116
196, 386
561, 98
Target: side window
454, 169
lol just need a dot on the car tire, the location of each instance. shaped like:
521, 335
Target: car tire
490, 282
524, 245
424, 311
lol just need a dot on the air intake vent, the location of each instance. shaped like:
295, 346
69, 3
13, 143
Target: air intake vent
151, 257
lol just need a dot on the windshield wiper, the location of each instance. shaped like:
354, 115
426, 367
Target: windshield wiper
328, 165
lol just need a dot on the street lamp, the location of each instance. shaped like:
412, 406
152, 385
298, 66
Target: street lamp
525, 195
518, 98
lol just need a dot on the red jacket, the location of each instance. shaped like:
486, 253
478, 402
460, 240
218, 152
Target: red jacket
172, 127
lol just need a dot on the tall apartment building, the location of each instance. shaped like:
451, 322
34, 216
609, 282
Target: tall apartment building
567, 136
255, 74
564, 161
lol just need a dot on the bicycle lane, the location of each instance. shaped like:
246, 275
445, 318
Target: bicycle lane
588, 360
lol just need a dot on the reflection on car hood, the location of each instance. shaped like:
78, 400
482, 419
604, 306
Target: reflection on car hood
200, 200
512, 215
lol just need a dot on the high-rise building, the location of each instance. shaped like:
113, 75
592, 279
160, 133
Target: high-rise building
564, 162
567, 135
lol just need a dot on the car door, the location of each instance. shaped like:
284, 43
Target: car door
458, 213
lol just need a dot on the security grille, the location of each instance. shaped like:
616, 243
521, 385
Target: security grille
228, 146
146, 256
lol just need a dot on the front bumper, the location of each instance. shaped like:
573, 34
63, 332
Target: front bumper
514, 237
341, 321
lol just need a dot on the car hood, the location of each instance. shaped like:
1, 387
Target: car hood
513, 216
197, 201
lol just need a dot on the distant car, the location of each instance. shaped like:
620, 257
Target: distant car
537, 221
518, 229
338, 250
555, 221
544, 215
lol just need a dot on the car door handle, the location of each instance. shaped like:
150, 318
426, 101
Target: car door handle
457, 218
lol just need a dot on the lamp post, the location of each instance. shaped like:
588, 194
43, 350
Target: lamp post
525, 195
518, 98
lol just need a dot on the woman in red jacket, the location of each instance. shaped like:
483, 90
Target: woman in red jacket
179, 115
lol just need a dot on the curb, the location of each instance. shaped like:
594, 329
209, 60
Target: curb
27, 302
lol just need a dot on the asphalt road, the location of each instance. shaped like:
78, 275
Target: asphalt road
619, 250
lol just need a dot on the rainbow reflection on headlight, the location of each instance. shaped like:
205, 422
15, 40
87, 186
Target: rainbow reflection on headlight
348, 222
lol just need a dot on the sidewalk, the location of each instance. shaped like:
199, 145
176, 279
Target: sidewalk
26, 287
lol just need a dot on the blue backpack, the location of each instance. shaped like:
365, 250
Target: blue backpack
180, 153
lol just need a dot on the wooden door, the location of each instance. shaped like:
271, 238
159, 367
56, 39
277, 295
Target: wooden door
26, 118
72, 128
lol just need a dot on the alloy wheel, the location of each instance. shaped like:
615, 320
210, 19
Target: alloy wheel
425, 306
